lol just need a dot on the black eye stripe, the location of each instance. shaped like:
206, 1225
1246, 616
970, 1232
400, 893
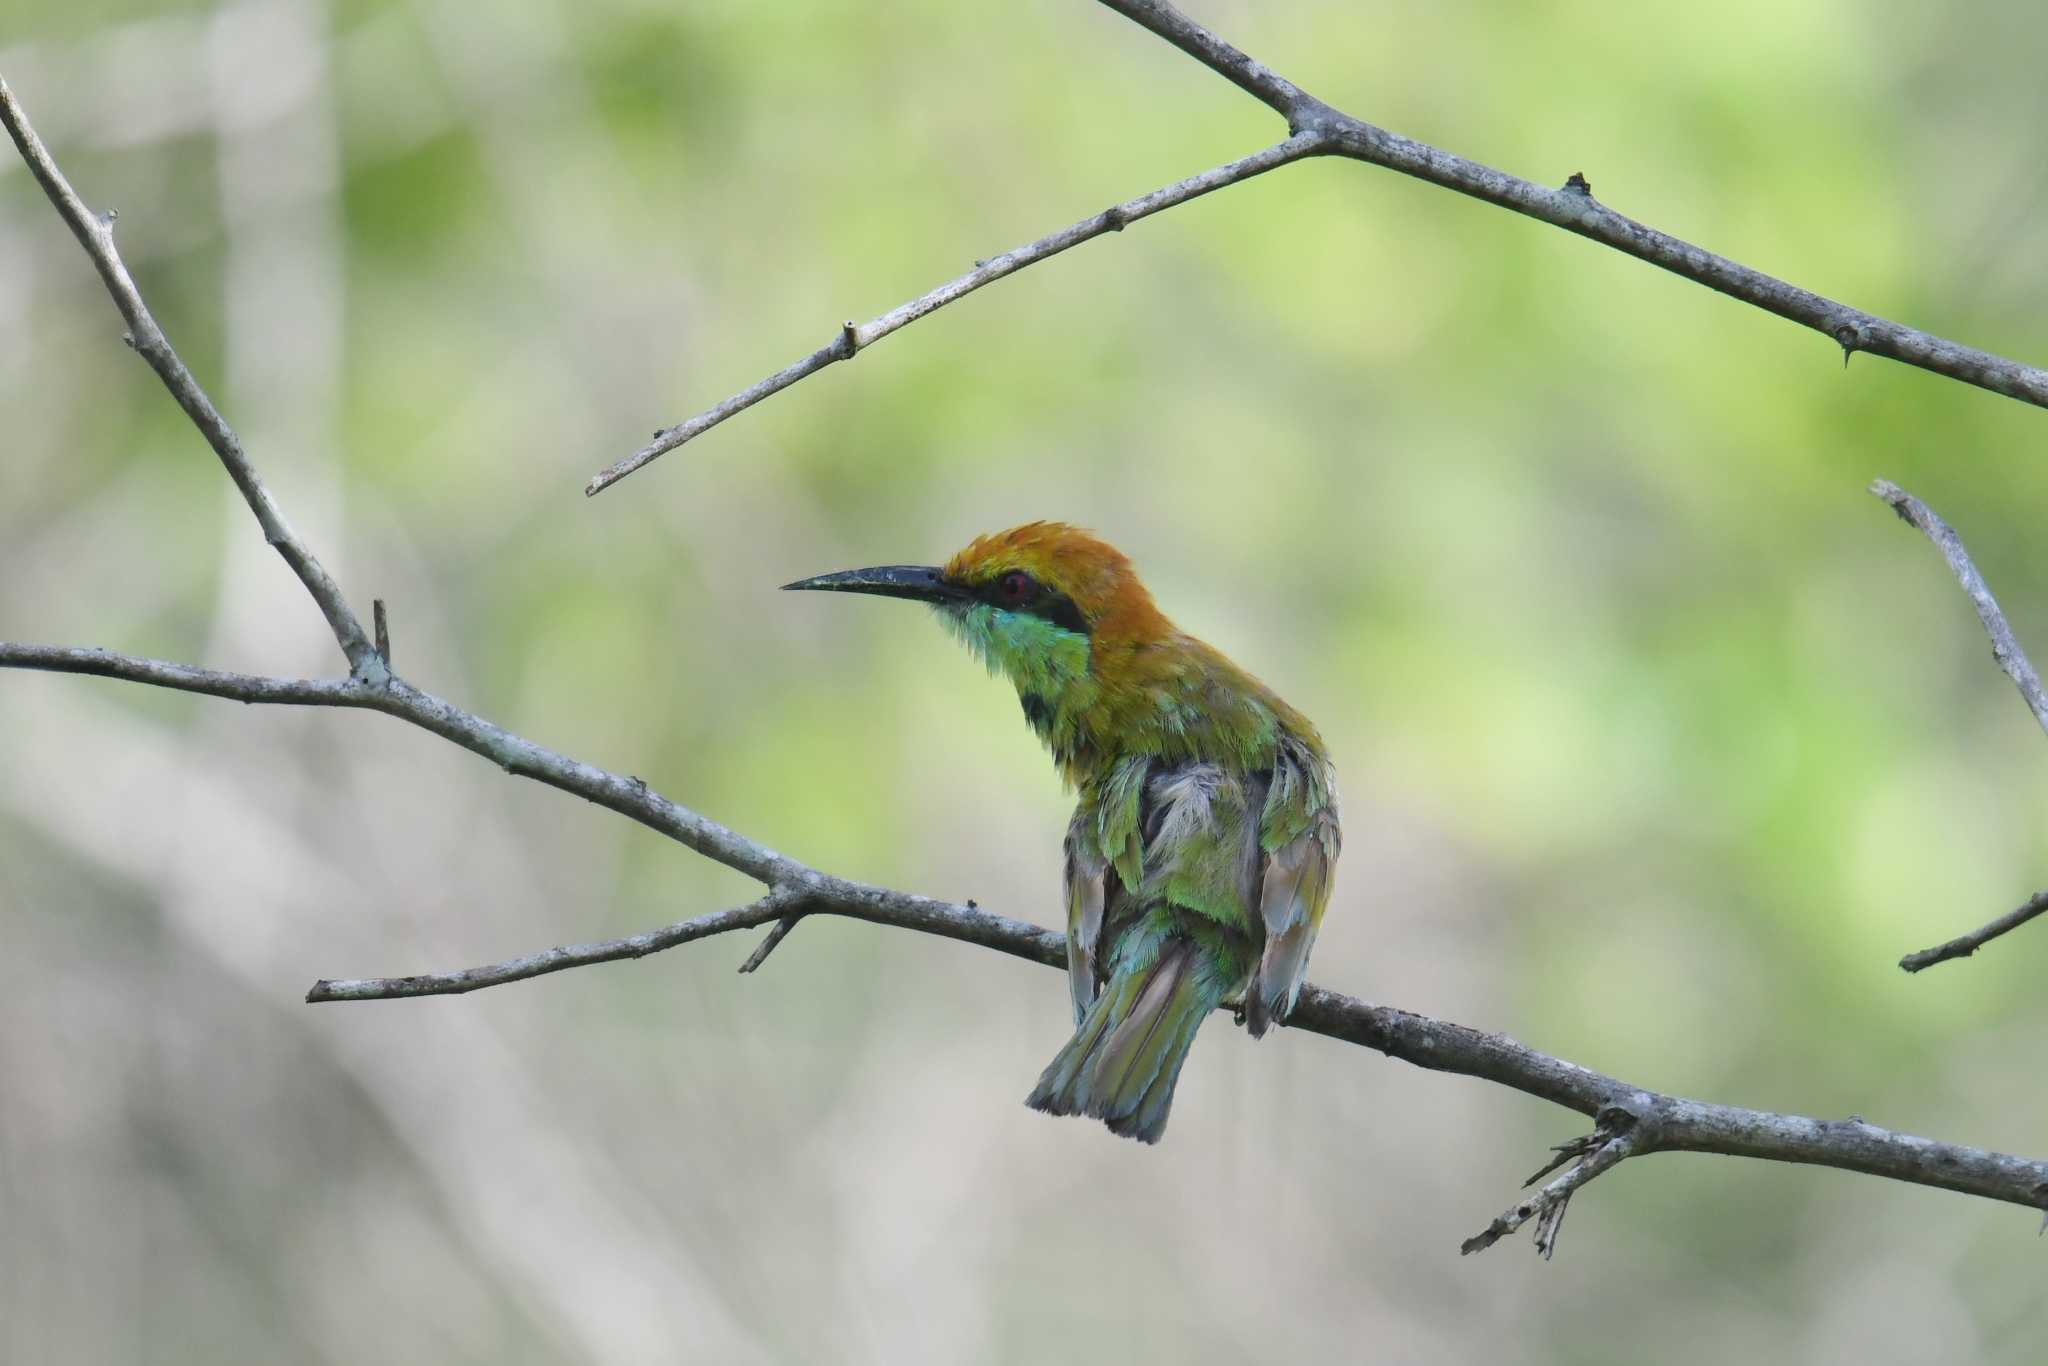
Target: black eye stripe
1059, 609
1036, 600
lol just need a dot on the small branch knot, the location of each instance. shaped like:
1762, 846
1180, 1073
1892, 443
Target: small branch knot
1114, 218
1578, 184
849, 338
1616, 1117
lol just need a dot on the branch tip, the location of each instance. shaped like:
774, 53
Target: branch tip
2005, 649
770, 942
142, 335
1616, 1135
851, 338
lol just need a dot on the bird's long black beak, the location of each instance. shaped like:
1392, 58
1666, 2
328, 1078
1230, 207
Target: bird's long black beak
918, 582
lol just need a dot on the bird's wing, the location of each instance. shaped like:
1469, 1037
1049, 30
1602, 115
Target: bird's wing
1087, 890
1301, 834
1105, 864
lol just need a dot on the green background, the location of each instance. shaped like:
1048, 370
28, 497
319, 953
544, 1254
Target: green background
1660, 739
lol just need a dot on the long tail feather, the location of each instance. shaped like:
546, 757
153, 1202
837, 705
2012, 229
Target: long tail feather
1124, 1059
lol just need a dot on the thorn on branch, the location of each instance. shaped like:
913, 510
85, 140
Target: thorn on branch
1578, 184
1852, 338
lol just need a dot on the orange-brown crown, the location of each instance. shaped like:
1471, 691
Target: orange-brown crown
1091, 573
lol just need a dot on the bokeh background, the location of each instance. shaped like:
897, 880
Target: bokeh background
1661, 740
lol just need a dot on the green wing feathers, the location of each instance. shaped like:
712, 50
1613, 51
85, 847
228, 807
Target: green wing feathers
1292, 895
1301, 838
1087, 892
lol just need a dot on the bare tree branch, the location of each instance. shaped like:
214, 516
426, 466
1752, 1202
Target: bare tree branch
1574, 209
1286, 99
769, 907
850, 339
1661, 1123
1963, 945
1648, 1121
2005, 648
1630, 1121
95, 233
1318, 129
297, 692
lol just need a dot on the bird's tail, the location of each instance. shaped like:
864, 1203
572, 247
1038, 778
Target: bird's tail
1121, 1065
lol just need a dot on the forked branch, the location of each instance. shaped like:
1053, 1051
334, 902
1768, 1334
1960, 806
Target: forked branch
1618, 1134
2005, 648
95, 232
1316, 128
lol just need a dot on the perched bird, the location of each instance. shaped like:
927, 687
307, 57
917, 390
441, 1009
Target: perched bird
1199, 858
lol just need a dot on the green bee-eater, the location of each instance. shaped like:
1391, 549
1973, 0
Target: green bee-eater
1199, 858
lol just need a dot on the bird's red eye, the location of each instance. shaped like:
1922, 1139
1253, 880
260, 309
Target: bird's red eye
1015, 586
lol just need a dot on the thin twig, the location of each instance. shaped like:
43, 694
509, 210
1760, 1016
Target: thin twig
2004, 647
769, 943
1962, 946
850, 339
1619, 1136
1318, 129
95, 233
297, 692
383, 628
1285, 98
553, 960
